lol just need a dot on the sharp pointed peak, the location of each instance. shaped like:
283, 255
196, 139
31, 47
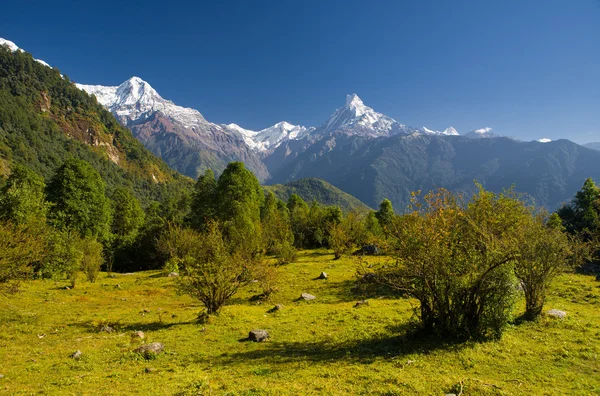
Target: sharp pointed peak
353, 99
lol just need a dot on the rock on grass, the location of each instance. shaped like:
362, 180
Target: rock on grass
258, 335
151, 349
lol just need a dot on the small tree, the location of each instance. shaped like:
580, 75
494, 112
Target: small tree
91, 258
63, 256
212, 273
20, 249
544, 252
339, 240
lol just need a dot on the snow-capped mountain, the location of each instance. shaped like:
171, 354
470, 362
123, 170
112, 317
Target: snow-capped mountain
136, 100
270, 138
180, 135
450, 131
544, 140
482, 133
13, 47
355, 118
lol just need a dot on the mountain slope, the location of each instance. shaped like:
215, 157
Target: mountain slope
311, 189
180, 136
44, 119
374, 169
593, 145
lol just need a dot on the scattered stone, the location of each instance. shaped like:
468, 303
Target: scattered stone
150, 349
112, 276
307, 297
146, 310
40, 336
258, 335
556, 313
76, 355
254, 281
67, 288
129, 273
450, 394
276, 308
368, 250
361, 303
107, 329
138, 334
1, 376
149, 370
323, 275
117, 286
173, 274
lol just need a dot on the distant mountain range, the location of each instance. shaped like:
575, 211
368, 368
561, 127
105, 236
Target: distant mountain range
593, 145
357, 149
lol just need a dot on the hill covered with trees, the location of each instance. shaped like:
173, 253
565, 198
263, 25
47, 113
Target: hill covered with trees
45, 119
311, 189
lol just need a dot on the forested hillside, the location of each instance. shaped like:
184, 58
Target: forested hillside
310, 189
45, 119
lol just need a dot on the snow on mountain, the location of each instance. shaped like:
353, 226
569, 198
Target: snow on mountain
450, 131
270, 138
13, 47
544, 140
135, 100
357, 118
482, 133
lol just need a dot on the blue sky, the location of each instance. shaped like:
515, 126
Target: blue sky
528, 69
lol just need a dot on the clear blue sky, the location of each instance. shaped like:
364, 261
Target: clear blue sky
528, 69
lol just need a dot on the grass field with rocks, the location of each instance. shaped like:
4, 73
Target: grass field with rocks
325, 346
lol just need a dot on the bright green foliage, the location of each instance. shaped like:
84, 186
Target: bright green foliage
385, 215
277, 234
583, 213
545, 251
204, 201
457, 262
22, 198
62, 258
79, 201
91, 258
238, 194
210, 272
339, 240
128, 216
21, 248
373, 227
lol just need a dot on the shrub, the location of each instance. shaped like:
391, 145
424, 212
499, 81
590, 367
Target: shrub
20, 248
456, 260
91, 258
211, 271
544, 252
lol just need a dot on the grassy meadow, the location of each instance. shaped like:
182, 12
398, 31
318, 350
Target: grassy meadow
326, 346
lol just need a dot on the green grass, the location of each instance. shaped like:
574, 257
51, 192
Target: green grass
322, 347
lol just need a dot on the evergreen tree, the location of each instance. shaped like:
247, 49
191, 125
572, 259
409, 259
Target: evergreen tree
385, 215
77, 193
583, 213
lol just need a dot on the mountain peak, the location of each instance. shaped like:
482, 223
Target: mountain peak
12, 46
353, 100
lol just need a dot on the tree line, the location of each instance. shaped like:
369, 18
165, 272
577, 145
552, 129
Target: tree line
464, 260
